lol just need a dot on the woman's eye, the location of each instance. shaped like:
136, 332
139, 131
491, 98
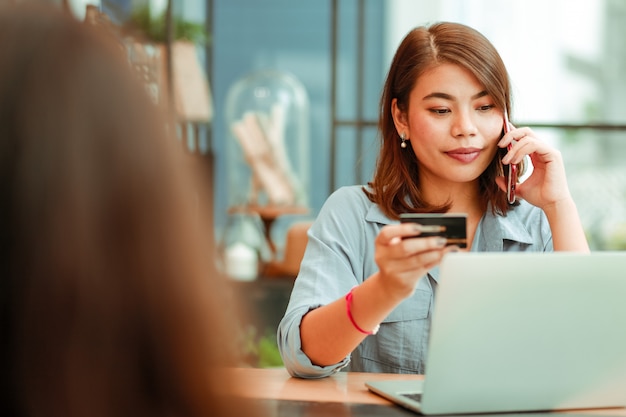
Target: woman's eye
486, 107
440, 111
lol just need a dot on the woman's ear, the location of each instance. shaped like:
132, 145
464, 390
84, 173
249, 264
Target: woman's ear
399, 118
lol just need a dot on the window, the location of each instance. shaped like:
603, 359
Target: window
567, 76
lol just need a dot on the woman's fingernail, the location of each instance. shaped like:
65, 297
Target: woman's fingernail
395, 240
441, 241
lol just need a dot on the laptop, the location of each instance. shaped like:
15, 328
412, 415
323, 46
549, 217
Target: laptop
518, 332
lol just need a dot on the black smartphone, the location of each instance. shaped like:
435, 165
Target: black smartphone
511, 177
452, 226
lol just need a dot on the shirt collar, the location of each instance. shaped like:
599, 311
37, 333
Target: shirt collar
375, 215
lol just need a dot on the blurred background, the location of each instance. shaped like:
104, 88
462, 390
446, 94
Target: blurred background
566, 59
299, 81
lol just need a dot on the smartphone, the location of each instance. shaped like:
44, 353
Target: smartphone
511, 177
452, 226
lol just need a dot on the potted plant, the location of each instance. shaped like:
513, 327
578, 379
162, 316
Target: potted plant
147, 40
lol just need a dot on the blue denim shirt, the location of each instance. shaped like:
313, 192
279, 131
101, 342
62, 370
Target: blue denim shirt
340, 254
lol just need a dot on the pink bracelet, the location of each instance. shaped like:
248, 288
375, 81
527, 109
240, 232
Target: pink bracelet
349, 311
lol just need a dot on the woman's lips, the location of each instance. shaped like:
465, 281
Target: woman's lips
464, 155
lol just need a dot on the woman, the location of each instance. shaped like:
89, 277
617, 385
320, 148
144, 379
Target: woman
441, 127
109, 304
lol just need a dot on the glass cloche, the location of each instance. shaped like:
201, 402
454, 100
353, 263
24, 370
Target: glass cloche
267, 117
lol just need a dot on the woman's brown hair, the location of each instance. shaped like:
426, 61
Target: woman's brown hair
395, 186
109, 301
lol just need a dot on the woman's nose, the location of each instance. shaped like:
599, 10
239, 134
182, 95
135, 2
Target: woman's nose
463, 125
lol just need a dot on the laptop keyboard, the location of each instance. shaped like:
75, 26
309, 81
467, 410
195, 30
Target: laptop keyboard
414, 396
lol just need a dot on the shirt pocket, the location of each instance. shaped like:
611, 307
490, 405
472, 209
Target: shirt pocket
400, 344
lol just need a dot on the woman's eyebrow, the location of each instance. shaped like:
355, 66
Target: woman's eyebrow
447, 96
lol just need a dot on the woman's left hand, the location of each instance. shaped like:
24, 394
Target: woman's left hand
547, 185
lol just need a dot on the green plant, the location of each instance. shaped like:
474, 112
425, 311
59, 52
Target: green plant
259, 351
617, 239
155, 29
269, 356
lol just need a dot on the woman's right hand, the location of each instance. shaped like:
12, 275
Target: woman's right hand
403, 257
327, 333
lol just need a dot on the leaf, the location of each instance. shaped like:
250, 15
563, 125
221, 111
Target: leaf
155, 28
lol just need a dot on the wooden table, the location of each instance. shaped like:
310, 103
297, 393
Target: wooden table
343, 387
341, 394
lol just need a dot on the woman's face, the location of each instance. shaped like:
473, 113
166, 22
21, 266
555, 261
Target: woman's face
452, 125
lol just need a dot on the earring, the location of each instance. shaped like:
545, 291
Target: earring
403, 137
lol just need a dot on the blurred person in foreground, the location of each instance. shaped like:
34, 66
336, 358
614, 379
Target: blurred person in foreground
109, 303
